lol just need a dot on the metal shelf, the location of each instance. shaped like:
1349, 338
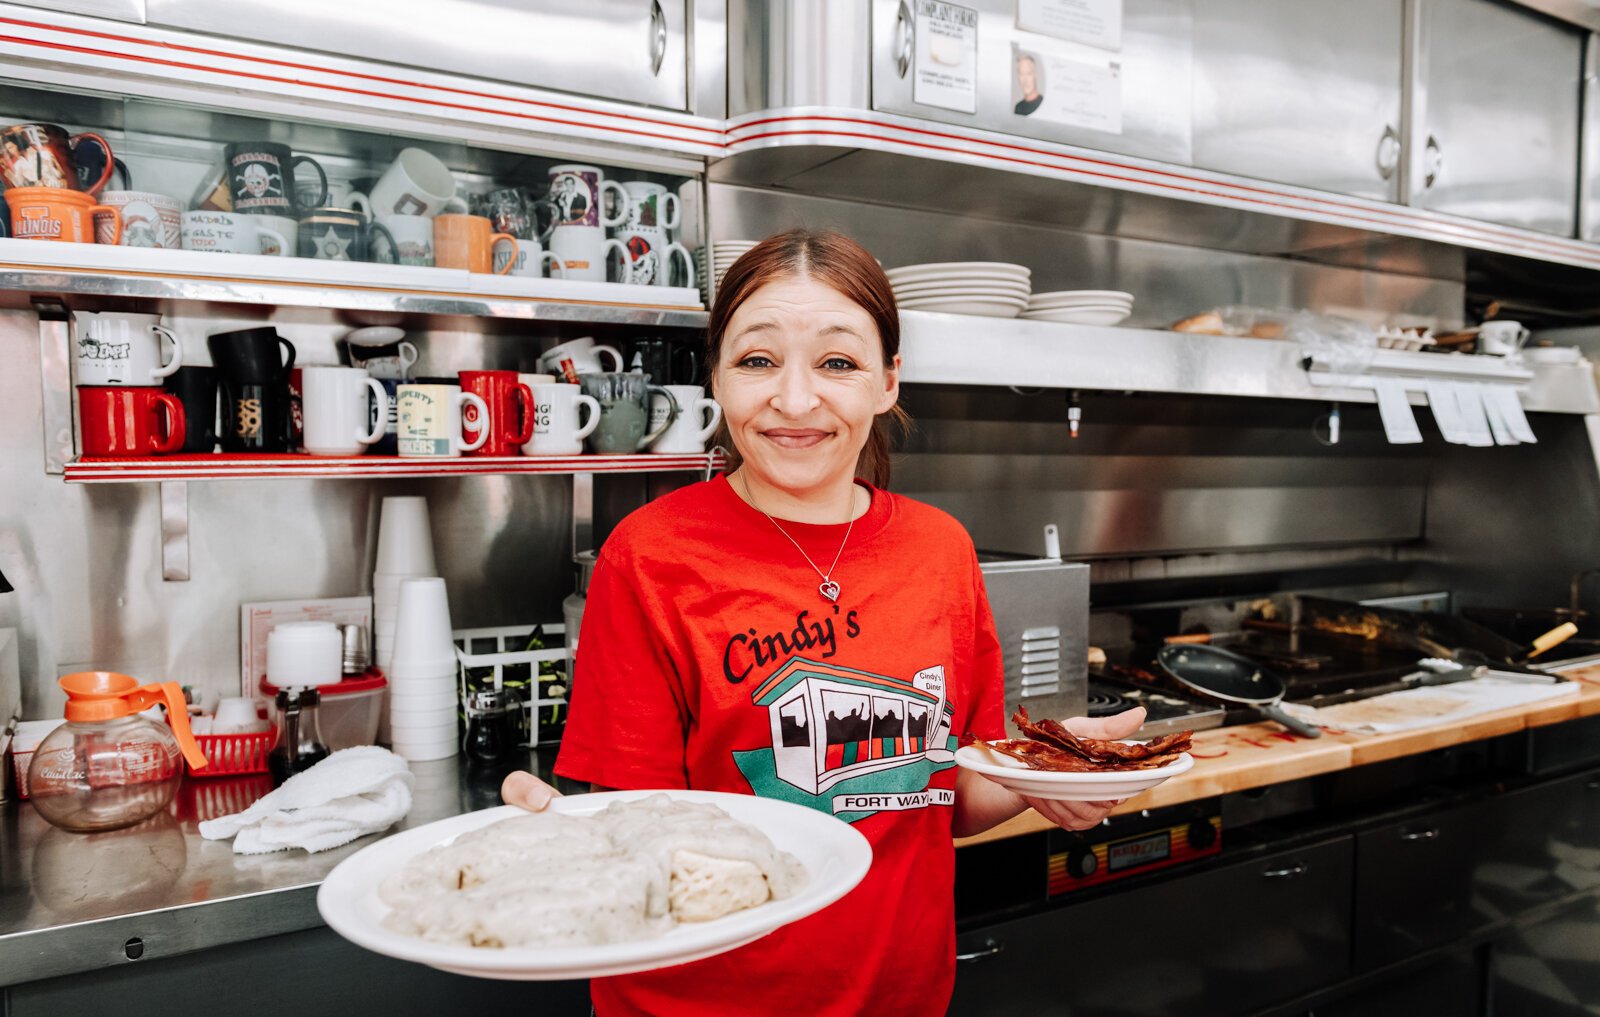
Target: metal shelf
95, 470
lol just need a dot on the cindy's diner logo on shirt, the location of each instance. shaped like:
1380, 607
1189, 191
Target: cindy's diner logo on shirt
746, 651
851, 742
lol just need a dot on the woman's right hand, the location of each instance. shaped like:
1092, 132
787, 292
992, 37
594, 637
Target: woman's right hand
526, 791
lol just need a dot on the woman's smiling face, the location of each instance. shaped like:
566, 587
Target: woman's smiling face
801, 378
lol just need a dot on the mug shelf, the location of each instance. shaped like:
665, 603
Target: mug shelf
160, 469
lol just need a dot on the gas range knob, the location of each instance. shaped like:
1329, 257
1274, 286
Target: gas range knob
1082, 863
1201, 834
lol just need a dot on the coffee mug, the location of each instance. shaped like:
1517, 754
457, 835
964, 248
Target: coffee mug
389, 429
341, 234
562, 417
56, 213
256, 416
666, 362
578, 192
527, 258
467, 241
273, 227
625, 413
576, 357
650, 206
261, 178
335, 410
650, 258
129, 421
196, 389
1501, 338
390, 361
148, 220
513, 210
412, 236
212, 194
41, 155
119, 348
430, 424
696, 421
416, 183
252, 354
227, 233
509, 422
584, 252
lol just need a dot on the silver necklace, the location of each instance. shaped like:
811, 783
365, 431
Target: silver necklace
828, 587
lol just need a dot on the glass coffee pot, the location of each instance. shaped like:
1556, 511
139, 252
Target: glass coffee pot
108, 766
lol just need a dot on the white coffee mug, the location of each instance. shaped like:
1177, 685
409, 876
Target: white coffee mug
119, 348
583, 252
578, 193
413, 235
416, 183
337, 421
274, 226
148, 220
557, 430
1501, 338
698, 418
531, 259
650, 257
650, 206
579, 356
430, 421
228, 233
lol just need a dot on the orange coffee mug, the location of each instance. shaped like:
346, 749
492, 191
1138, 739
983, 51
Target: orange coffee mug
467, 241
55, 213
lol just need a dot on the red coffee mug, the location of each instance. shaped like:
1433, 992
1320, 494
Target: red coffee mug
118, 421
501, 392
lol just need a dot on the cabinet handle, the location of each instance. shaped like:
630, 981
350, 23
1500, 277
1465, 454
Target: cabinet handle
658, 36
1431, 833
1433, 160
1388, 156
990, 948
905, 32
1287, 872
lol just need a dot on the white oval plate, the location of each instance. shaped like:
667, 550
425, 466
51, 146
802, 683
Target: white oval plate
1061, 305
1020, 299
1066, 787
981, 308
1078, 317
836, 857
958, 270
1095, 296
963, 286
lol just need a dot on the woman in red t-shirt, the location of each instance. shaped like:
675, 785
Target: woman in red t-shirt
869, 604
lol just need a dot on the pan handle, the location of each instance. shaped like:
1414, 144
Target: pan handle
1294, 724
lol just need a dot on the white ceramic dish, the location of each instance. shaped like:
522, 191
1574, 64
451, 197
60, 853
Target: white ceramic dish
1093, 296
1017, 776
1057, 305
1552, 354
1078, 317
836, 857
976, 270
962, 293
981, 308
957, 267
962, 286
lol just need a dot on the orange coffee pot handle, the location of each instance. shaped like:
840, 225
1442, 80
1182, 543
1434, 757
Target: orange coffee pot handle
170, 694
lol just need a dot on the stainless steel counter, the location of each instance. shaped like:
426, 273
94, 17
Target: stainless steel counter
76, 902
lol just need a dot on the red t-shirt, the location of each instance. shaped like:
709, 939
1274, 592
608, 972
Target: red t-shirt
709, 660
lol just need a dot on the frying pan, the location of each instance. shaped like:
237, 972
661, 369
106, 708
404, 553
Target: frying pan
1222, 674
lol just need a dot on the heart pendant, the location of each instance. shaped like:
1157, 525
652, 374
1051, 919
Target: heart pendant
830, 589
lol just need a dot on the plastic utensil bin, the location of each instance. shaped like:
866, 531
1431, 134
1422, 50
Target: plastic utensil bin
232, 754
350, 710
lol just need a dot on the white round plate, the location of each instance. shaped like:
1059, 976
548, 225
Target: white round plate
981, 308
963, 293
1063, 305
1093, 296
1009, 306
1019, 289
836, 857
1078, 317
1017, 776
958, 270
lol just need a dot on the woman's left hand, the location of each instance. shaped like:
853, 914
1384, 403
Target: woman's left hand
1084, 815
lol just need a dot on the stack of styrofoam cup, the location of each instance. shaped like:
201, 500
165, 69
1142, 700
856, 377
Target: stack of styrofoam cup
422, 674
405, 551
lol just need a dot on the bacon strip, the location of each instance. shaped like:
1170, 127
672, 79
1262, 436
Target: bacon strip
1050, 746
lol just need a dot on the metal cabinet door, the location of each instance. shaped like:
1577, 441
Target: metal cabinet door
1301, 91
630, 50
1153, 66
1497, 109
1239, 937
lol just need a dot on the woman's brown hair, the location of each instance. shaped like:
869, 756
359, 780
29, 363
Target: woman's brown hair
836, 261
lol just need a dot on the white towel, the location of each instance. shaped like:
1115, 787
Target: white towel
352, 793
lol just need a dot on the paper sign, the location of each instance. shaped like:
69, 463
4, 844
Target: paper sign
946, 50
1096, 22
1081, 89
258, 618
1497, 422
1399, 424
1446, 412
1510, 406
1473, 416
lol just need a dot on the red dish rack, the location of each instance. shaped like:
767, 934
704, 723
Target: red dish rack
233, 754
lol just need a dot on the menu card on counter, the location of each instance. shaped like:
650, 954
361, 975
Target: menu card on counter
945, 71
260, 617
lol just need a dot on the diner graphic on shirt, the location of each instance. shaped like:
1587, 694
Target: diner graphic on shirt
850, 742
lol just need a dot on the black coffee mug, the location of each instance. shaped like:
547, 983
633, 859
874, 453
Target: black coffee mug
666, 362
251, 355
261, 178
342, 234
196, 388
389, 444
91, 163
255, 417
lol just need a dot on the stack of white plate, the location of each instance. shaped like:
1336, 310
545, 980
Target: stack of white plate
1080, 307
993, 289
724, 253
